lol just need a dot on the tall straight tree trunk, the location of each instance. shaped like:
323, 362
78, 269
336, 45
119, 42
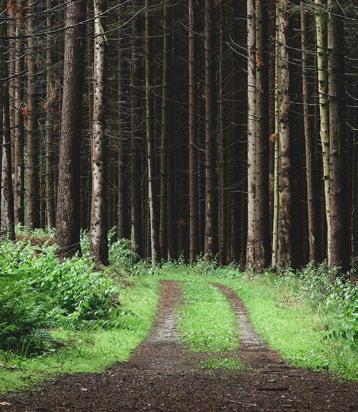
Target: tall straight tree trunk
150, 137
308, 136
275, 141
134, 156
50, 123
222, 149
193, 179
33, 178
7, 223
337, 256
68, 203
321, 38
210, 248
19, 167
122, 192
164, 141
284, 252
11, 31
261, 134
251, 137
99, 241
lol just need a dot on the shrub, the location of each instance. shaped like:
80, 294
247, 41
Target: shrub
37, 292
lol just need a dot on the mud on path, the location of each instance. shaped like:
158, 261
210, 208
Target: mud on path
163, 376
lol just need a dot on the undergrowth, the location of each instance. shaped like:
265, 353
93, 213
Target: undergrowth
64, 316
67, 317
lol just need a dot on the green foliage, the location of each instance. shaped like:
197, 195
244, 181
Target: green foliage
91, 349
37, 292
334, 297
121, 255
309, 317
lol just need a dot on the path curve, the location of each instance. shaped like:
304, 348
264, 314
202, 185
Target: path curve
163, 376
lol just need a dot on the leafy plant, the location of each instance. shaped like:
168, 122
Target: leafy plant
38, 292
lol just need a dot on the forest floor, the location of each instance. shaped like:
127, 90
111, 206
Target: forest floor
163, 375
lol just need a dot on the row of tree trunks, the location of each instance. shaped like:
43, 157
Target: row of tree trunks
187, 146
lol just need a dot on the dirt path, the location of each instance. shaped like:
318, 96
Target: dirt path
162, 376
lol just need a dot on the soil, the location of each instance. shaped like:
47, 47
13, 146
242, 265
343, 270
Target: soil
163, 376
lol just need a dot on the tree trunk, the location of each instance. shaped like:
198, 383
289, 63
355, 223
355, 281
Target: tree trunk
262, 142
210, 248
33, 182
193, 180
68, 203
50, 124
284, 255
274, 140
99, 241
321, 37
164, 141
7, 195
308, 136
251, 137
150, 137
19, 177
134, 156
122, 192
222, 166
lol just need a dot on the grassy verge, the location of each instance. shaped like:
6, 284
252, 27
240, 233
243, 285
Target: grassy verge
88, 350
311, 321
291, 324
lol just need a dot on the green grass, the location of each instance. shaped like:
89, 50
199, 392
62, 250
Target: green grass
89, 350
289, 314
292, 325
228, 364
286, 311
207, 322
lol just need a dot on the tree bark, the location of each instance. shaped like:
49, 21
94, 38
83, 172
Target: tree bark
308, 136
7, 223
321, 38
222, 166
99, 241
150, 137
19, 167
193, 180
284, 255
50, 124
251, 138
68, 203
210, 248
134, 157
33, 179
122, 231
262, 141
164, 141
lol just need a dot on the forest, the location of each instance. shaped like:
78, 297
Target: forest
178, 205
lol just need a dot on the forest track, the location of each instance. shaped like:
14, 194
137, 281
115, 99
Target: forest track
163, 376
